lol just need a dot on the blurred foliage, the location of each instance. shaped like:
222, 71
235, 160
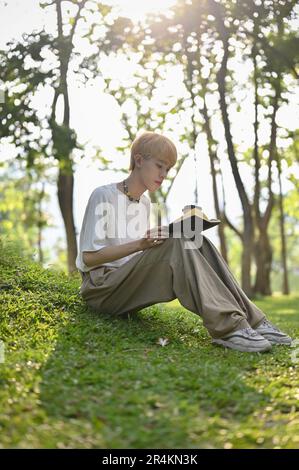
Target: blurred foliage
23, 216
189, 41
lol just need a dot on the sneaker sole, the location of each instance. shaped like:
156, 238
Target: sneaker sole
239, 347
283, 341
275, 338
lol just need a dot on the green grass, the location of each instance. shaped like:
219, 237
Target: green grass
72, 378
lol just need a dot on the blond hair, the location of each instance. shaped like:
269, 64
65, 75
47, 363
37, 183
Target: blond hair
152, 144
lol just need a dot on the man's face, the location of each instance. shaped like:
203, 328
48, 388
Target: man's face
154, 170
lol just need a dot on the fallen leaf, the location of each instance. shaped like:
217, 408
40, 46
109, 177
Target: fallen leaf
163, 341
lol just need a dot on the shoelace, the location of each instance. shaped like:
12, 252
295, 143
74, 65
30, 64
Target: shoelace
268, 323
251, 332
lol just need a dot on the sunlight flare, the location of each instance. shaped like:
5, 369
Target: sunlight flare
138, 9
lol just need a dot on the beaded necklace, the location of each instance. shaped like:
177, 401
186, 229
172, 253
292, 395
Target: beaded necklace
126, 190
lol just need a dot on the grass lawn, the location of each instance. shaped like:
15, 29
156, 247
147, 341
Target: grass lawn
72, 378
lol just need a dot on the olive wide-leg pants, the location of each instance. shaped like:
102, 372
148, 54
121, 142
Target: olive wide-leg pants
199, 278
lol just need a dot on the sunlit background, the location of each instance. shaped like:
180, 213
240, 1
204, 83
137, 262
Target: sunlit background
95, 116
76, 377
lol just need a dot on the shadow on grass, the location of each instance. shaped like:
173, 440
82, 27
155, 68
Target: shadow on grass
112, 374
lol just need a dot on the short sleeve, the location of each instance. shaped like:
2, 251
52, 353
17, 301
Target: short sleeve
93, 235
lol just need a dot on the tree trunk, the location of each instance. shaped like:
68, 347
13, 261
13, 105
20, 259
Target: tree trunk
213, 162
263, 254
262, 247
248, 239
65, 183
65, 186
248, 222
189, 84
285, 282
223, 244
263, 220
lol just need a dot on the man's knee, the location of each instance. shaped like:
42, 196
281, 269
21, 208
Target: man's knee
193, 243
182, 243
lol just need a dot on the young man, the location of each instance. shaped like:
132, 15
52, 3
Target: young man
122, 272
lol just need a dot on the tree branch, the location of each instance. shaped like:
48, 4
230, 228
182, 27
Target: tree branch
230, 225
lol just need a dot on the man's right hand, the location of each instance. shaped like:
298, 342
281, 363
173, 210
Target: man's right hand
154, 237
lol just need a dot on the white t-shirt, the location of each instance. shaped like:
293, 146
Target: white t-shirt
112, 219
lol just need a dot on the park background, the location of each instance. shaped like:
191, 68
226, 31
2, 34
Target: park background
122, 80
79, 80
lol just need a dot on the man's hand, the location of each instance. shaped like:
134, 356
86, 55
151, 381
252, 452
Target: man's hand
154, 237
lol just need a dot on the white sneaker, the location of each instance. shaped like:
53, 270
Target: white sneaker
272, 333
245, 340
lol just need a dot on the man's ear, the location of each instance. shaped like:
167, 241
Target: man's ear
137, 158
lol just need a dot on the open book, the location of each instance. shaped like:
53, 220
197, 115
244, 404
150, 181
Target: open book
193, 220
